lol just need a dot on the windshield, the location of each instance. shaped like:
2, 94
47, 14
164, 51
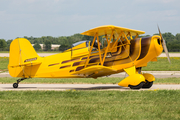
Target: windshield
80, 42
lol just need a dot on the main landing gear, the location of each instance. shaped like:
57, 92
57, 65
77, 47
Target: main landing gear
15, 85
137, 86
146, 84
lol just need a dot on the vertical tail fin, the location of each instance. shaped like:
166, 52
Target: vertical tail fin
21, 54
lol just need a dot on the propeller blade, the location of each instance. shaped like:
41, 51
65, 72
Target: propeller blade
166, 50
164, 45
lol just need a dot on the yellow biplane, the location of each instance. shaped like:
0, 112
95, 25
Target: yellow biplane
120, 51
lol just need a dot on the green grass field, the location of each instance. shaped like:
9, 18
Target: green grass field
104, 80
36, 51
94, 105
4, 51
161, 65
4, 61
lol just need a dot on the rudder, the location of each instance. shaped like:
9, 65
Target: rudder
21, 54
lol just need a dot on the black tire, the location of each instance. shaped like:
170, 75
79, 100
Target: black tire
137, 86
147, 84
15, 85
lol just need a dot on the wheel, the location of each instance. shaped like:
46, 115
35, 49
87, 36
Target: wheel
15, 85
147, 84
137, 86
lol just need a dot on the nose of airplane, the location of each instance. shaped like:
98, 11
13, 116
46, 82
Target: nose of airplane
158, 44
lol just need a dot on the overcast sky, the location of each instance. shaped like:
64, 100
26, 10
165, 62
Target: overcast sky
19, 18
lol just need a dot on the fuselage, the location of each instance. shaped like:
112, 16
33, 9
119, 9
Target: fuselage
71, 62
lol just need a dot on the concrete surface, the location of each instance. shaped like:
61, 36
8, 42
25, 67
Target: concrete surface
63, 87
157, 74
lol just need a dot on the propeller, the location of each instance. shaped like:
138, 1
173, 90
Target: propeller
164, 45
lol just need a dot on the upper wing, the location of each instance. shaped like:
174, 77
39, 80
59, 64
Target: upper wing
107, 29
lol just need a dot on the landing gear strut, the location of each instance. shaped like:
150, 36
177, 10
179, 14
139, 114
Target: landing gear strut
15, 85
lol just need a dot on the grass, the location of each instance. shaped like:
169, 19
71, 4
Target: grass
4, 61
137, 105
167, 81
37, 51
105, 80
4, 51
161, 65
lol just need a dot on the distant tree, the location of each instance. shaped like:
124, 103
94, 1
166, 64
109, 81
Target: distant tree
26, 37
37, 47
178, 36
3, 44
144, 36
36, 41
8, 44
169, 37
85, 37
47, 45
173, 41
64, 47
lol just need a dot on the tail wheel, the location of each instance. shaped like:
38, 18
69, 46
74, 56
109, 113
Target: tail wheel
137, 86
147, 84
15, 85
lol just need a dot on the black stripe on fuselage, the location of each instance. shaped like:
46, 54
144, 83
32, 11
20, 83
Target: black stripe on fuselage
145, 44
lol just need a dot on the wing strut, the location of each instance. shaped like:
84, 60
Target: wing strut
99, 50
108, 45
115, 36
116, 40
87, 61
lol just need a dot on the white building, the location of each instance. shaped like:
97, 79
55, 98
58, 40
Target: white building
53, 46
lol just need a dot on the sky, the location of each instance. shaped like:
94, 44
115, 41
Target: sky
37, 18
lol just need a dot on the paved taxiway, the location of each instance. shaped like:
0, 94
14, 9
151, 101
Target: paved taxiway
65, 87
157, 74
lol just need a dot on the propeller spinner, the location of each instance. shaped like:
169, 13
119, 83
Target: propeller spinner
164, 45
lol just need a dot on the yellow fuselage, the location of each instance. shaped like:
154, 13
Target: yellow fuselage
70, 63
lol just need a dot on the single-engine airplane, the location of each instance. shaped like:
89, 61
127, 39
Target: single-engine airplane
121, 51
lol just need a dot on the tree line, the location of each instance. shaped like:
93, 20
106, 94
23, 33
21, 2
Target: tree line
65, 42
